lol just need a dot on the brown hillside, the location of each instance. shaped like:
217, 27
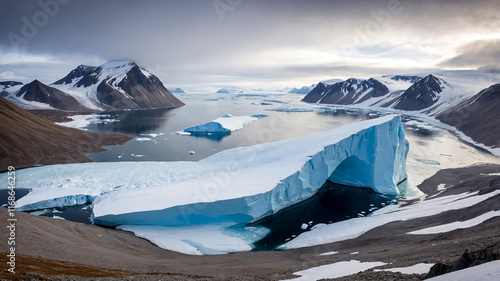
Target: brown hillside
27, 140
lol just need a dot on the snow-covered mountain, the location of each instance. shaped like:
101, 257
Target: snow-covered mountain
429, 93
113, 85
38, 92
350, 91
117, 85
422, 94
477, 117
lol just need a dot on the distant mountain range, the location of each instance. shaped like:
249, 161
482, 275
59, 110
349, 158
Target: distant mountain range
303, 90
429, 93
466, 99
113, 85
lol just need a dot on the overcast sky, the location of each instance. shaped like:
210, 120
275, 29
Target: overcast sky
247, 42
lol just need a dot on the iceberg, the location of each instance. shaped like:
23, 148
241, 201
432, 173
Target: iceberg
223, 125
239, 185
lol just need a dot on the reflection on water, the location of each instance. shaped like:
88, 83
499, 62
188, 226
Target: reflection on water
77, 213
210, 136
332, 203
134, 122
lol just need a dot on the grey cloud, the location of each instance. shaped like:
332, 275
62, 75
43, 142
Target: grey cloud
475, 54
187, 39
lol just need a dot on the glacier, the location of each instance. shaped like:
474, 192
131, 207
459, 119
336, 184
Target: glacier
239, 185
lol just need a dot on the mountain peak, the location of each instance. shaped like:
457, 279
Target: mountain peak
421, 94
116, 64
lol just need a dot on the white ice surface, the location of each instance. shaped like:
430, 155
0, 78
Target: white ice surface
353, 228
458, 224
489, 271
334, 270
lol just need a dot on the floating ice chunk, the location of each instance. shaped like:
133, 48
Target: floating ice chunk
304, 226
222, 125
191, 152
143, 139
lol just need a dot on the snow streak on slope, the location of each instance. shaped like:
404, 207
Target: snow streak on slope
458, 224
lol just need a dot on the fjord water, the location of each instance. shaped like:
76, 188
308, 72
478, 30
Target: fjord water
168, 146
332, 203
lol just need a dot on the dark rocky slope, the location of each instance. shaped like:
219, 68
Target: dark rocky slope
477, 117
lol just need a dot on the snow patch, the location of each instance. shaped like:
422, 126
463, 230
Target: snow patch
419, 268
334, 270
